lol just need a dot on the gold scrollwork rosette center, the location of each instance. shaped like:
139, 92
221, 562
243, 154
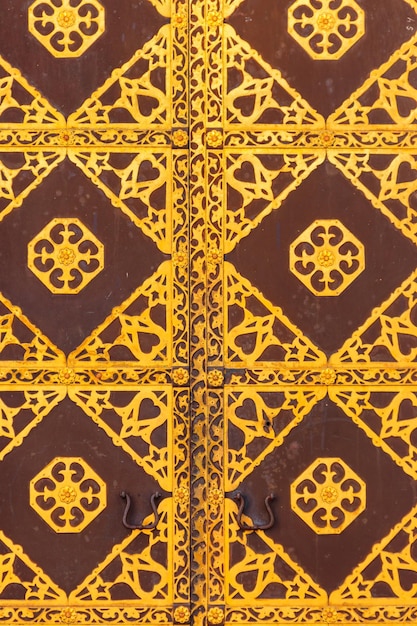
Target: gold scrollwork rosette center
327, 257
328, 496
68, 494
182, 615
66, 31
68, 616
65, 256
325, 29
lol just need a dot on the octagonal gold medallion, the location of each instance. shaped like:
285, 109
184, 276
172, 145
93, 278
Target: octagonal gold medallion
65, 256
326, 29
327, 257
66, 28
68, 494
328, 496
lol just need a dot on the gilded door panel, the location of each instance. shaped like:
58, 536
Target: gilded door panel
311, 259
94, 343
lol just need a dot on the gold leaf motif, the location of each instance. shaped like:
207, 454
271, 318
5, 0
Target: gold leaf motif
283, 172
274, 339
214, 19
65, 256
261, 417
215, 378
328, 496
327, 258
328, 376
180, 138
68, 616
67, 494
147, 578
215, 615
257, 85
182, 615
214, 138
143, 176
129, 87
215, 498
64, 29
389, 334
134, 331
142, 423
262, 569
33, 584
325, 30
180, 376
384, 90
182, 497
394, 428
390, 563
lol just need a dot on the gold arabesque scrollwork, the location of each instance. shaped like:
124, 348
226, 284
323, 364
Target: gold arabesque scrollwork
326, 29
327, 257
68, 494
66, 28
328, 496
65, 256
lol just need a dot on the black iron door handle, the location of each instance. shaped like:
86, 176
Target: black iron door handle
150, 526
241, 502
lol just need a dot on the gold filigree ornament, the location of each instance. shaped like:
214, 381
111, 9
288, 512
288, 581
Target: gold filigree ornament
328, 376
180, 138
66, 376
180, 376
215, 615
215, 378
329, 615
65, 256
180, 258
328, 496
326, 138
326, 29
214, 19
68, 616
182, 615
66, 137
67, 494
214, 256
215, 498
327, 258
179, 20
182, 496
64, 27
214, 138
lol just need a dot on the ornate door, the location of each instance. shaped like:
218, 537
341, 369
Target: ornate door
207, 330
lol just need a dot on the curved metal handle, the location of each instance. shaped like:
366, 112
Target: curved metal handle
150, 526
241, 502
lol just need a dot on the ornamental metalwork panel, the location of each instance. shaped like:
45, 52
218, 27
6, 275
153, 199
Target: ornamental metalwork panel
310, 249
207, 312
94, 312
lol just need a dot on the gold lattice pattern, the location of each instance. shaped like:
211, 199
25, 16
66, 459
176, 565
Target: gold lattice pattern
327, 257
68, 494
326, 29
328, 496
65, 28
65, 256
